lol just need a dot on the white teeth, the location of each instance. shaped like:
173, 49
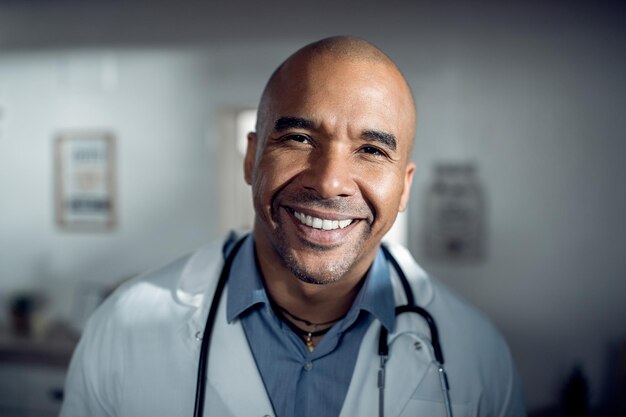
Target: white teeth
324, 224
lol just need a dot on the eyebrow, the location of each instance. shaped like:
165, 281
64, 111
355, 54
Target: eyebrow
383, 138
285, 123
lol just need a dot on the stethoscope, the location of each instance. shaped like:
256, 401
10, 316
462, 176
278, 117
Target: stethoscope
383, 345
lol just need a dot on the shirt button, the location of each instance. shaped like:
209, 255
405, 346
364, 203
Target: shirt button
308, 366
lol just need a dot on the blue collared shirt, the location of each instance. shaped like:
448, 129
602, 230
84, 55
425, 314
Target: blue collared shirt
298, 382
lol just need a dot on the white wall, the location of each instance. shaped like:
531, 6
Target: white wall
156, 104
534, 96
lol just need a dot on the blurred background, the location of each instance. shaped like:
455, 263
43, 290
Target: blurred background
120, 123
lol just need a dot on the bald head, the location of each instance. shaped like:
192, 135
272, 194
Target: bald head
333, 142
336, 49
348, 47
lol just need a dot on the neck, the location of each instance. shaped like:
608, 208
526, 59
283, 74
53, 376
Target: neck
312, 302
317, 305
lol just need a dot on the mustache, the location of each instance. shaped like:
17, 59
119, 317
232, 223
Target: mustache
310, 199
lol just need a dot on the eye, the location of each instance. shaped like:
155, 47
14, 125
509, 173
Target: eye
373, 150
297, 138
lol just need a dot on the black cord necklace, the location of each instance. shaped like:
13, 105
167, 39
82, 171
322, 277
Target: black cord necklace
308, 323
307, 335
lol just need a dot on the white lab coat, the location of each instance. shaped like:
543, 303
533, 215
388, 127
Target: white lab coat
139, 354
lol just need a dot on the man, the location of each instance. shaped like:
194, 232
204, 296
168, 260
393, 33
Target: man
296, 331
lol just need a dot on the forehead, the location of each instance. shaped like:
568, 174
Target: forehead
355, 93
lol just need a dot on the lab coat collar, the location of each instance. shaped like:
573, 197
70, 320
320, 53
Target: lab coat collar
420, 283
196, 279
197, 282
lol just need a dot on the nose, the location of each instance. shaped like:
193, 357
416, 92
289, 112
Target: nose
330, 174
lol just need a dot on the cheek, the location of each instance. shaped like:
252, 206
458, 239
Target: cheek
270, 175
383, 189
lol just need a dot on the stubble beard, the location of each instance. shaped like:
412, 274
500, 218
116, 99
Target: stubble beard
319, 273
324, 273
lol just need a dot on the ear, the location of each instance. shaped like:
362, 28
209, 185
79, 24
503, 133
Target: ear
406, 192
248, 162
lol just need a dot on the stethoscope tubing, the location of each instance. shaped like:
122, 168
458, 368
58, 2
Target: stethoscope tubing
383, 346
203, 363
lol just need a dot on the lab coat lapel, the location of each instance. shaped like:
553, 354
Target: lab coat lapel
234, 387
233, 375
410, 355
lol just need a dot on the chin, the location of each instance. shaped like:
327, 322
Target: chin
316, 278
318, 273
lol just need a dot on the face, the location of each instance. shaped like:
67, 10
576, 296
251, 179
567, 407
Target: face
330, 166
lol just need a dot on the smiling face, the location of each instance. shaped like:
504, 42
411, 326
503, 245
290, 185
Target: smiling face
329, 166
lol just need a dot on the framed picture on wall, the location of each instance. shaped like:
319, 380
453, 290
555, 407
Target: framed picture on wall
85, 180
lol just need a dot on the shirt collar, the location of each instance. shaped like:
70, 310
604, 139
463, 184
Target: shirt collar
245, 288
376, 296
